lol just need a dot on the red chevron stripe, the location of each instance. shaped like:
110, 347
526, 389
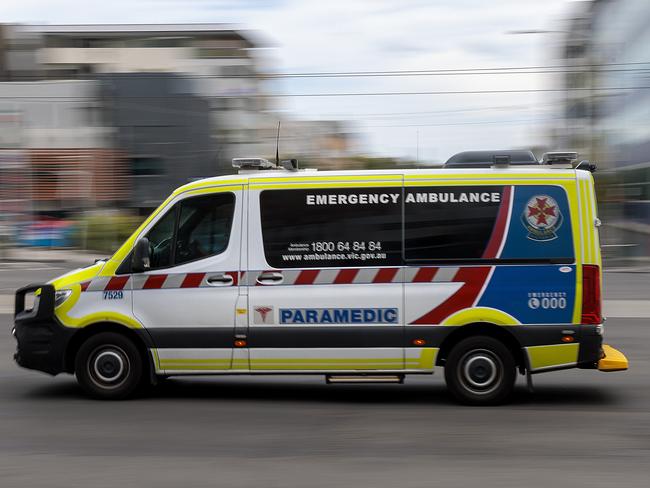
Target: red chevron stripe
385, 275
116, 283
235, 277
85, 285
473, 279
154, 282
307, 277
192, 280
425, 275
346, 276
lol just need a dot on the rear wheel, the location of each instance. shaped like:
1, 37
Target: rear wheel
109, 366
480, 371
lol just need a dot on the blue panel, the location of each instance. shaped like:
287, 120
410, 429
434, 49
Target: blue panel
536, 294
540, 224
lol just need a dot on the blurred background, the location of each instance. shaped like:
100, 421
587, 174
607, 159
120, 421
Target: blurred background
105, 107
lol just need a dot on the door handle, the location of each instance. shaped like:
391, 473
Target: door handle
221, 279
270, 278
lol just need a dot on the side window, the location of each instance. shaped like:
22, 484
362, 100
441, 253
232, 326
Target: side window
445, 223
161, 238
336, 227
194, 228
517, 223
204, 226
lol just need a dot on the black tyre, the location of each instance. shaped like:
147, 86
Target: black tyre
109, 366
480, 370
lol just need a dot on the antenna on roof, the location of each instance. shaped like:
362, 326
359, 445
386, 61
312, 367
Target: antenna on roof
277, 147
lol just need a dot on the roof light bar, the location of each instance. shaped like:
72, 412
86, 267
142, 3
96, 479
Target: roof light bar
252, 163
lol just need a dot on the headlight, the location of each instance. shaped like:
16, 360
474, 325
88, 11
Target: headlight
61, 296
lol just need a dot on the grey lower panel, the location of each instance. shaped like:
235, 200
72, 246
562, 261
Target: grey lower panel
350, 336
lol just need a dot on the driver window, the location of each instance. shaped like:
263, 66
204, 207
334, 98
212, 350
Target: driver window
204, 226
200, 227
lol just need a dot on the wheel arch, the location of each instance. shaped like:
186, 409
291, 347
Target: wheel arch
498, 332
141, 340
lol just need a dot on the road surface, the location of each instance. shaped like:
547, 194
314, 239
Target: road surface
580, 428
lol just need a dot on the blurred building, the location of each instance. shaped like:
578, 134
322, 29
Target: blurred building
164, 128
579, 77
176, 102
58, 156
607, 107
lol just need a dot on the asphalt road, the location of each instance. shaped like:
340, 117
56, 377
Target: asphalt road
580, 428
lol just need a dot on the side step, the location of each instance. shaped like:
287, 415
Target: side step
364, 378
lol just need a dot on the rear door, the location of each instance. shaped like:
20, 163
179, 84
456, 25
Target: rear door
325, 278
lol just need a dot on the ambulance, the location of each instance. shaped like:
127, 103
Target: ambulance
487, 267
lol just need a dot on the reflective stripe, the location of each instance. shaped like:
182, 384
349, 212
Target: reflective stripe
557, 355
329, 276
187, 360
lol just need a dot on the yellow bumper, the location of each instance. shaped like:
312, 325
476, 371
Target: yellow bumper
612, 360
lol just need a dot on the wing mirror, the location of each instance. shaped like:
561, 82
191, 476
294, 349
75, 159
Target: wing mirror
140, 260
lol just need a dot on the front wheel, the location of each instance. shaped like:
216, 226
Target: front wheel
108, 366
480, 371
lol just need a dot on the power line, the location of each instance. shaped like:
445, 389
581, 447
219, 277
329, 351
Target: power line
448, 124
425, 113
500, 70
340, 94
558, 68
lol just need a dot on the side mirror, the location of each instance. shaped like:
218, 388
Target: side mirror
140, 259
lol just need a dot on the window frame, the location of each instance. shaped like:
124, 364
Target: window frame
177, 222
125, 267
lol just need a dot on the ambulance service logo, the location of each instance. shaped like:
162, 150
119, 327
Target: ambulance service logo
542, 218
263, 315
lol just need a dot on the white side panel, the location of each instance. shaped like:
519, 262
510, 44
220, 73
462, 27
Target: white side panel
420, 298
91, 302
379, 295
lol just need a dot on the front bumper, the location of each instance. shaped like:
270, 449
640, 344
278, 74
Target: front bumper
42, 340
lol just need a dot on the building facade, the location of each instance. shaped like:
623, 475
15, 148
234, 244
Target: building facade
177, 102
610, 120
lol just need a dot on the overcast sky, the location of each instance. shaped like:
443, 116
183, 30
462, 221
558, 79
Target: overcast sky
373, 35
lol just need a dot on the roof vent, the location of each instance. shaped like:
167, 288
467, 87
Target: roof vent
487, 159
560, 157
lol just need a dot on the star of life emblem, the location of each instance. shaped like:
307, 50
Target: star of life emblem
542, 218
263, 315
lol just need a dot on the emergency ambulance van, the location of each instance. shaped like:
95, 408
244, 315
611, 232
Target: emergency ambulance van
485, 269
